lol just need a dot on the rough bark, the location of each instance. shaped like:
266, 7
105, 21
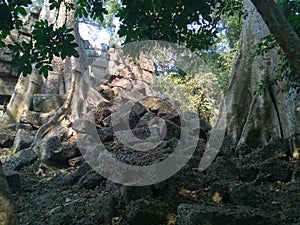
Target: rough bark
66, 74
281, 29
251, 118
21, 99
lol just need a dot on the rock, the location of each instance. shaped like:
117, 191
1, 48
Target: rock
8, 213
248, 173
222, 169
108, 94
14, 180
61, 157
214, 215
137, 112
47, 102
105, 134
242, 150
246, 194
145, 212
158, 106
35, 119
103, 111
219, 192
47, 147
276, 148
274, 170
6, 138
122, 83
146, 64
19, 160
106, 206
131, 193
174, 117
91, 180
173, 130
288, 200
77, 161
23, 140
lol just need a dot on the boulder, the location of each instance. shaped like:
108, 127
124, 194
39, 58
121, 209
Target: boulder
132, 193
216, 215
6, 138
20, 159
23, 140
14, 180
222, 169
8, 213
47, 102
145, 212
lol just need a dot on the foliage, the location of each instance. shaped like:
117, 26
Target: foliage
183, 22
11, 11
200, 93
47, 40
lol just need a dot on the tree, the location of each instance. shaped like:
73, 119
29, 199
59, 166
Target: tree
187, 22
281, 29
256, 118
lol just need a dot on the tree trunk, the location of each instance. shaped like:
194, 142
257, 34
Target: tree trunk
21, 100
281, 29
252, 118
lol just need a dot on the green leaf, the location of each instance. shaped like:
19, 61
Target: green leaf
22, 11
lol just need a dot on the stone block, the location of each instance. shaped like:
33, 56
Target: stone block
214, 215
47, 102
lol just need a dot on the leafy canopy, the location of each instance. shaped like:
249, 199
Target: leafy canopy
188, 22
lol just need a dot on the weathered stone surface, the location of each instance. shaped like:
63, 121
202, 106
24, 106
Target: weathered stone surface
91, 180
14, 180
47, 147
105, 134
35, 118
219, 192
6, 138
7, 89
158, 106
222, 169
145, 212
246, 194
23, 140
20, 159
276, 148
106, 205
130, 193
123, 83
214, 215
242, 150
248, 173
47, 102
274, 170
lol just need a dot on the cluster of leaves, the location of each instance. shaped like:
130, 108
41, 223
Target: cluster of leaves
185, 22
10, 16
46, 40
